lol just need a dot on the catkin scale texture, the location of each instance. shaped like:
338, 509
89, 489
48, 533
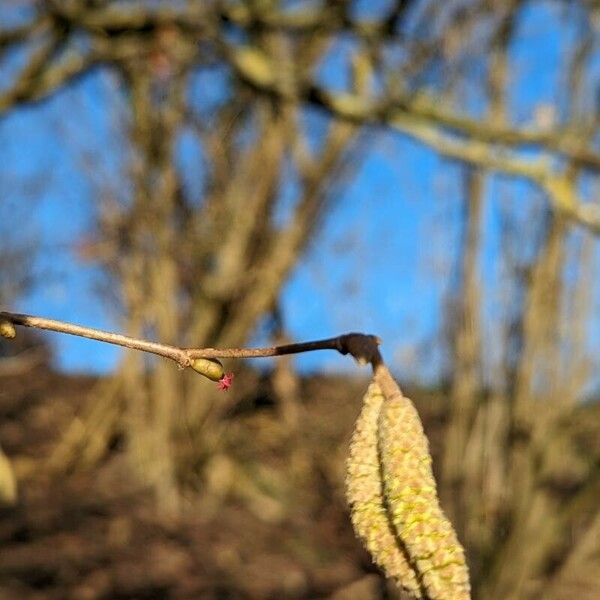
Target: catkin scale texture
411, 497
393, 498
364, 492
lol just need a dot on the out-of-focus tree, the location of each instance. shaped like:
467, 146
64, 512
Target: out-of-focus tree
514, 469
199, 257
18, 250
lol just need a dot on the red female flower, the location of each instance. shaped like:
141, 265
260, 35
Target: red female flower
225, 382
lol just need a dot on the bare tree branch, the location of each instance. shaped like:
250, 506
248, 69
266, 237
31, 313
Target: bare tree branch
360, 346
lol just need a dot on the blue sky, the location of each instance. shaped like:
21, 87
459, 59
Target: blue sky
381, 260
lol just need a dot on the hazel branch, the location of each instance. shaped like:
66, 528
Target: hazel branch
363, 347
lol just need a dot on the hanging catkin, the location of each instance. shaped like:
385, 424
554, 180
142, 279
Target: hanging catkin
393, 498
364, 491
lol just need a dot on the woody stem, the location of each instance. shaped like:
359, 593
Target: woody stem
363, 347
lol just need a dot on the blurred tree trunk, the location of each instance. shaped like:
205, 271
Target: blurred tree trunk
474, 446
501, 442
533, 511
233, 232
465, 388
200, 271
149, 277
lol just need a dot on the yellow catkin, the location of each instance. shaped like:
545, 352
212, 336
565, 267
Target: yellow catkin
411, 497
7, 330
364, 492
8, 482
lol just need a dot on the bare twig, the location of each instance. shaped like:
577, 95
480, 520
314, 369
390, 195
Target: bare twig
363, 347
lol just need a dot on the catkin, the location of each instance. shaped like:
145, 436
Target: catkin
411, 497
364, 492
7, 330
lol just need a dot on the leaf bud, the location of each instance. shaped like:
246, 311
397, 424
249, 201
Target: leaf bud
209, 367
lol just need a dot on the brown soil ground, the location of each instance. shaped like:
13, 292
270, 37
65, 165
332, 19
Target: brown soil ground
264, 518
269, 521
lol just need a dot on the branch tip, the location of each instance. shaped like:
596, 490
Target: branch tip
362, 347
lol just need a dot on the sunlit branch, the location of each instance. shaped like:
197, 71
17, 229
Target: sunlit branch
363, 347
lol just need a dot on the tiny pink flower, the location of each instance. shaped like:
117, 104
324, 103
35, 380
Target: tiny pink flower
225, 382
